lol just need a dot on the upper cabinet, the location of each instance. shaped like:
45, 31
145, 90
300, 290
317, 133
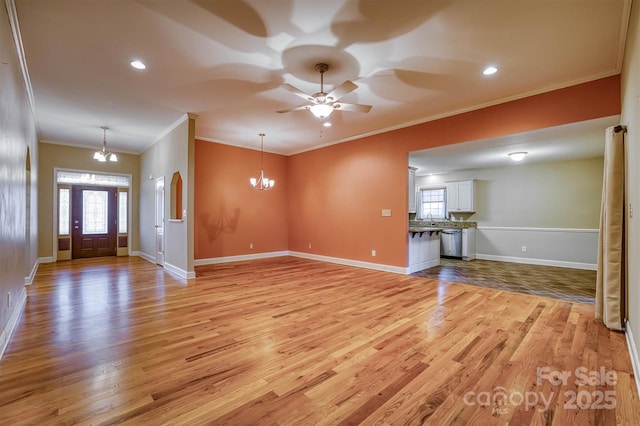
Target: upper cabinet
461, 196
412, 189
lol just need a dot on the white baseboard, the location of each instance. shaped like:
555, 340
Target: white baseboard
167, 266
349, 262
48, 259
32, 275
545, 262
5, 335
424, 265
633, 353
329, 259
179, 271
239, 258
145, 256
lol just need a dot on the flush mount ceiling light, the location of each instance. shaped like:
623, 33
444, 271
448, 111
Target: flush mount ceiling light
490, 70
517, 156
105, 155
137, 64
261, 182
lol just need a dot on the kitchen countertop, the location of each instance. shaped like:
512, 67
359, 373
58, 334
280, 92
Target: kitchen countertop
442, 224
423, 228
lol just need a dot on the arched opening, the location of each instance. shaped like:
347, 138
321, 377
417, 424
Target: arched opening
176, 196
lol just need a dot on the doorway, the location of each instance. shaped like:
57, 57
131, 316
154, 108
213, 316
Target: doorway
27, 227
159, 226
94, 220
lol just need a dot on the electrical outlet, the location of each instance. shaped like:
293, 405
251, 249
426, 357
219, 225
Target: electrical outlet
309, 245
524, 249
373, 253
250, 246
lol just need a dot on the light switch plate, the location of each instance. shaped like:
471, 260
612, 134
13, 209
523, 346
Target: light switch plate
386, 212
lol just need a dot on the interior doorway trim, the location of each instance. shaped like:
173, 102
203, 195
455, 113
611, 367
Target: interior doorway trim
56, 171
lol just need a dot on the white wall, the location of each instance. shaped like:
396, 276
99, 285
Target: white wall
173, 153
631, 118
564, 247
552, 209
17, 134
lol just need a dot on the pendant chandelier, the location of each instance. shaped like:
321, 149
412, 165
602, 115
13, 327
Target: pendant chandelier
261, 182
105, 155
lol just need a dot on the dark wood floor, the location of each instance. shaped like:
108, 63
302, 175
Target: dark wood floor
296, 342
574, 285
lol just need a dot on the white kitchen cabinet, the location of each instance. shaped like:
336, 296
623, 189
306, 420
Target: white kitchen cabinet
461, 196
468, 243
412, 189
424, 250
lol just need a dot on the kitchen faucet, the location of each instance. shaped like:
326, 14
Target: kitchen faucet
430, 217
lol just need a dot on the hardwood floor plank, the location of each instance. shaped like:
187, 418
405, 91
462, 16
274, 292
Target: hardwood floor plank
290, 341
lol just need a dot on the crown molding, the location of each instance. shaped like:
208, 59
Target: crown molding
17, 39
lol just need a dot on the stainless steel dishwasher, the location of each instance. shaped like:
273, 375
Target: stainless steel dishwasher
451, 243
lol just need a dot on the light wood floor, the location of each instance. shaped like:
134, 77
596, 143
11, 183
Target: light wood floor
298, 342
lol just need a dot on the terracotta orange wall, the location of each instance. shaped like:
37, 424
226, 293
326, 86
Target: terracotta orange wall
337, 196
336, 193
595, 99
332, 198
229, 214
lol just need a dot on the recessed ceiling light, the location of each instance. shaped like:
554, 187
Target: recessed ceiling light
517, 156
138, 64
490, 70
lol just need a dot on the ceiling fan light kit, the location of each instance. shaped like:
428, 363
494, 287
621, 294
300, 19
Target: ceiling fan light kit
321, 111
322, 103
262, 182
104, 155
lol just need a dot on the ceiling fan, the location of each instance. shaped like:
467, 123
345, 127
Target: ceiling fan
323, 104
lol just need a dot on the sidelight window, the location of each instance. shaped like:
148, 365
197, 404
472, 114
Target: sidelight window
122, 212
63, 211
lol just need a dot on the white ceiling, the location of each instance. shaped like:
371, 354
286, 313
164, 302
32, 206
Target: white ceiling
568, 142
226, 60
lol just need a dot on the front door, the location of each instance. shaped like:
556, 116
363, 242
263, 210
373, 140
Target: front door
94, 216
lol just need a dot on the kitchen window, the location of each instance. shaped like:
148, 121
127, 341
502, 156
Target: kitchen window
432, 203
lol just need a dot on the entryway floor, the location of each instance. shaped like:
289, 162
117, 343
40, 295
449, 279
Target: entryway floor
575, 285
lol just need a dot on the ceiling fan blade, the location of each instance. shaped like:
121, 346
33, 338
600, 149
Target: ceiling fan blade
294, 109
298, 92
351, 107
346, 87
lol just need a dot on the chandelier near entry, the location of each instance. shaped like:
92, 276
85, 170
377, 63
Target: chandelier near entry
261, 182
105, 155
